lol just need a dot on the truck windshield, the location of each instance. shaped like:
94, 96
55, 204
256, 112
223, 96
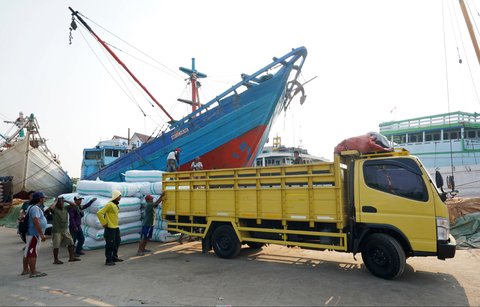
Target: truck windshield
400, 177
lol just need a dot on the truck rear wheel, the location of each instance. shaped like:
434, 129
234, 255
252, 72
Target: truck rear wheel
383, 256
225, 242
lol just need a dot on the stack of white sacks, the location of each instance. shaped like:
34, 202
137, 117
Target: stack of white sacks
138, 184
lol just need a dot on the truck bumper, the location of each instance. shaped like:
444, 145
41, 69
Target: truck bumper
446, 249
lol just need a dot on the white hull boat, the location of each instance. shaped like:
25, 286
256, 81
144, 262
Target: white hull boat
26, 158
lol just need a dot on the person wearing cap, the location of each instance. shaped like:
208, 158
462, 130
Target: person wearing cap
60, 234
147, 225
75, 220
37, 223
173, 160
108, 217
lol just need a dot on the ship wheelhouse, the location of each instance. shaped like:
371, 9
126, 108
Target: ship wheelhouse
98, 157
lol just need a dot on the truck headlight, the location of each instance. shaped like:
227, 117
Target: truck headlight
443, 229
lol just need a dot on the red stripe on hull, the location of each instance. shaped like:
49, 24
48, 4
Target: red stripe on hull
239, 152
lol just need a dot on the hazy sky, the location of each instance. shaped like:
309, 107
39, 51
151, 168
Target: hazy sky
370, 57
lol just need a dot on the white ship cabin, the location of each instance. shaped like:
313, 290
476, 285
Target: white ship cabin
281, 155
450, 139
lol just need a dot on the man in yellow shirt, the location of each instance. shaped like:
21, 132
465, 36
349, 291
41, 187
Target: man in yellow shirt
108, 217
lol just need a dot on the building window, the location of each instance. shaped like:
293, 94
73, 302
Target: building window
259, 162
401, 178
472, 134
432, 137
108, 152
92, 155
399, 139
451, 135
415, 138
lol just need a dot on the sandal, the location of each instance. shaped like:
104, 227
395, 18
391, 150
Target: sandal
25, 273
74, 259
39, 274
58, 262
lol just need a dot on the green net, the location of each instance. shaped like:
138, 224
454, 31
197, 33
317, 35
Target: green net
467, 231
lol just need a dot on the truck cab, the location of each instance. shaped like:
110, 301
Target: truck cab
396, 201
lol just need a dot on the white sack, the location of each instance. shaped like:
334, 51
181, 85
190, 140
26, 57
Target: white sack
154, 188
126, 203
105, 188
164, 236
143, 176
125, 229
91, 219
95, 244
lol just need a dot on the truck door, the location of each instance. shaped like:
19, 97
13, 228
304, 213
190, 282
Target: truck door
393, 192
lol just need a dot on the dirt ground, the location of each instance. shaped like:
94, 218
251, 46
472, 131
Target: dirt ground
181, 275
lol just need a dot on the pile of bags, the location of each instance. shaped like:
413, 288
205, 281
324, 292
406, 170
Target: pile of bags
131, 212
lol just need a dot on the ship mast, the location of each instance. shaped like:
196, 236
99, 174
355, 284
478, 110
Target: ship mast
194, 75
76, 14
470, 29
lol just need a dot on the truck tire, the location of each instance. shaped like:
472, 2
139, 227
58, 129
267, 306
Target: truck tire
225, 242
255, 245
383, 256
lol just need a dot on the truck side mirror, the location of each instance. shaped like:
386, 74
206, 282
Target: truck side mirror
438, 179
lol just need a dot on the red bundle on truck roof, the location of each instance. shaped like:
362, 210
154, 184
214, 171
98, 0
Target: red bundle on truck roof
370, 142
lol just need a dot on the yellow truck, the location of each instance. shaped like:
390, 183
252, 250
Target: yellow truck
382, 205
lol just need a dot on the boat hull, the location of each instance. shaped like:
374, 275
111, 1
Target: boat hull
35, 171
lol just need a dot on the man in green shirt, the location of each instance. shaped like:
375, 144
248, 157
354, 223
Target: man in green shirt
60, 234
147, 228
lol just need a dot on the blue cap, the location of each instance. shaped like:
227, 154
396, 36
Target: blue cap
38, 195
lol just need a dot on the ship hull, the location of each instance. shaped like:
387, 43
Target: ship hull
229, 135
34, 171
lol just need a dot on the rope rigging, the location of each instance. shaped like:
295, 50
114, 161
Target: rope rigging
132, 99
175, 73
447, 87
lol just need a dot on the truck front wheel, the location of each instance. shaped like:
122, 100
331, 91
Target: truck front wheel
225, 242
383, 256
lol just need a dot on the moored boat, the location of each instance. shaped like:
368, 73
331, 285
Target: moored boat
228, 131
24, 155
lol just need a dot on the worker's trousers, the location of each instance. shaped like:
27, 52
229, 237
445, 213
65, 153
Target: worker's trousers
112, 241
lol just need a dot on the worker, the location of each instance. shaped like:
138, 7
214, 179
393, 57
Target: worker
196, 164
297, 159
108, 217
173, 160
